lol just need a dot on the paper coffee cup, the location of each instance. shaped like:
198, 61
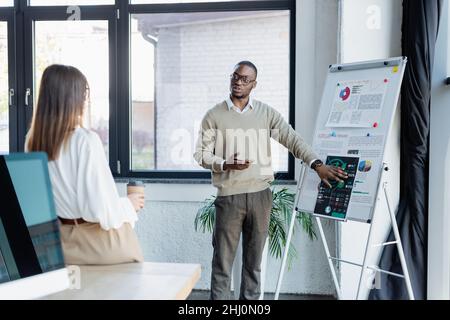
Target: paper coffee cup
135, 187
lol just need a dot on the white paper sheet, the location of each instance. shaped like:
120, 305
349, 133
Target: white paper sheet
357, 103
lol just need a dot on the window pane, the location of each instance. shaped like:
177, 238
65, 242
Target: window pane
4, 87
181, 1
70, 2
180, 68
6, 3
84, 45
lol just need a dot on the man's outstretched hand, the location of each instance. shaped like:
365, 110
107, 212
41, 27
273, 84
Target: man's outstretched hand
327, 173
234, 164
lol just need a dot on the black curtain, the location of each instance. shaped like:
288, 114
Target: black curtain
420, 30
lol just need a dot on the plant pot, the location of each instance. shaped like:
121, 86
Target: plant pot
237, 270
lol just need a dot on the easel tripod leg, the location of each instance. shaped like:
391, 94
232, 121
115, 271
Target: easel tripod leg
401, 253
290, 233
285, 253
330, 262
364, 265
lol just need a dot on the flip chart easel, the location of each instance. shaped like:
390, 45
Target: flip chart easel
358, 75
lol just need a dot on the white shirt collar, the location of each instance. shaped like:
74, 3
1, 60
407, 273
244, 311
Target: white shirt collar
231, 105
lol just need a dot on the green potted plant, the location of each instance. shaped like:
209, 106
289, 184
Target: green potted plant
280, 217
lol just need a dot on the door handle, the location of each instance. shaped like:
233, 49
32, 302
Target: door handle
12, 93
27, 96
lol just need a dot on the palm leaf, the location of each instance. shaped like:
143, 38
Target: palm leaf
277, 226
305, 220
206, 216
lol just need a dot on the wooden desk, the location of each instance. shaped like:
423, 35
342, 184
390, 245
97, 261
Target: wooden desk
139, 281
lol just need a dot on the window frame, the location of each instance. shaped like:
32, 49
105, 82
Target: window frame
125, 114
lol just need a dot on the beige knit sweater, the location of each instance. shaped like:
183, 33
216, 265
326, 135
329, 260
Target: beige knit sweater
225, 132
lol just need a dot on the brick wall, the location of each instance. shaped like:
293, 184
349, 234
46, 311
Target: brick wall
194, 62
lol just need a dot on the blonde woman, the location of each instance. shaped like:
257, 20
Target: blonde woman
96, 224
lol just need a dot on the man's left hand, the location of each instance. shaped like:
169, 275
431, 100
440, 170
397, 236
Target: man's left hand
327, 173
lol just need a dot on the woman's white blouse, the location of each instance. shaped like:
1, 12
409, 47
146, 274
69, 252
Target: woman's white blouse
83, 185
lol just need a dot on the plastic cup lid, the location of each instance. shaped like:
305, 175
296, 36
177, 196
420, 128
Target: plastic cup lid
136, 184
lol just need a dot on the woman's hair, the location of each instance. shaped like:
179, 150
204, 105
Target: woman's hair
62, 97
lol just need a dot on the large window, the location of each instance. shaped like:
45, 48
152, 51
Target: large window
180, 64
154, 68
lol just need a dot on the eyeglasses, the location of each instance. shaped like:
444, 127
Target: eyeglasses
245, 80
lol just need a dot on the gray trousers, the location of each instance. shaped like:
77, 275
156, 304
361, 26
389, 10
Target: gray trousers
248, 213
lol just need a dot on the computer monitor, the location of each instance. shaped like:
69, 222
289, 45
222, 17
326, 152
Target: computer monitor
31, 258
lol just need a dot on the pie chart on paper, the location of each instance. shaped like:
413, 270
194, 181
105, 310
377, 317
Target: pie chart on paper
365, 166
345, 94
